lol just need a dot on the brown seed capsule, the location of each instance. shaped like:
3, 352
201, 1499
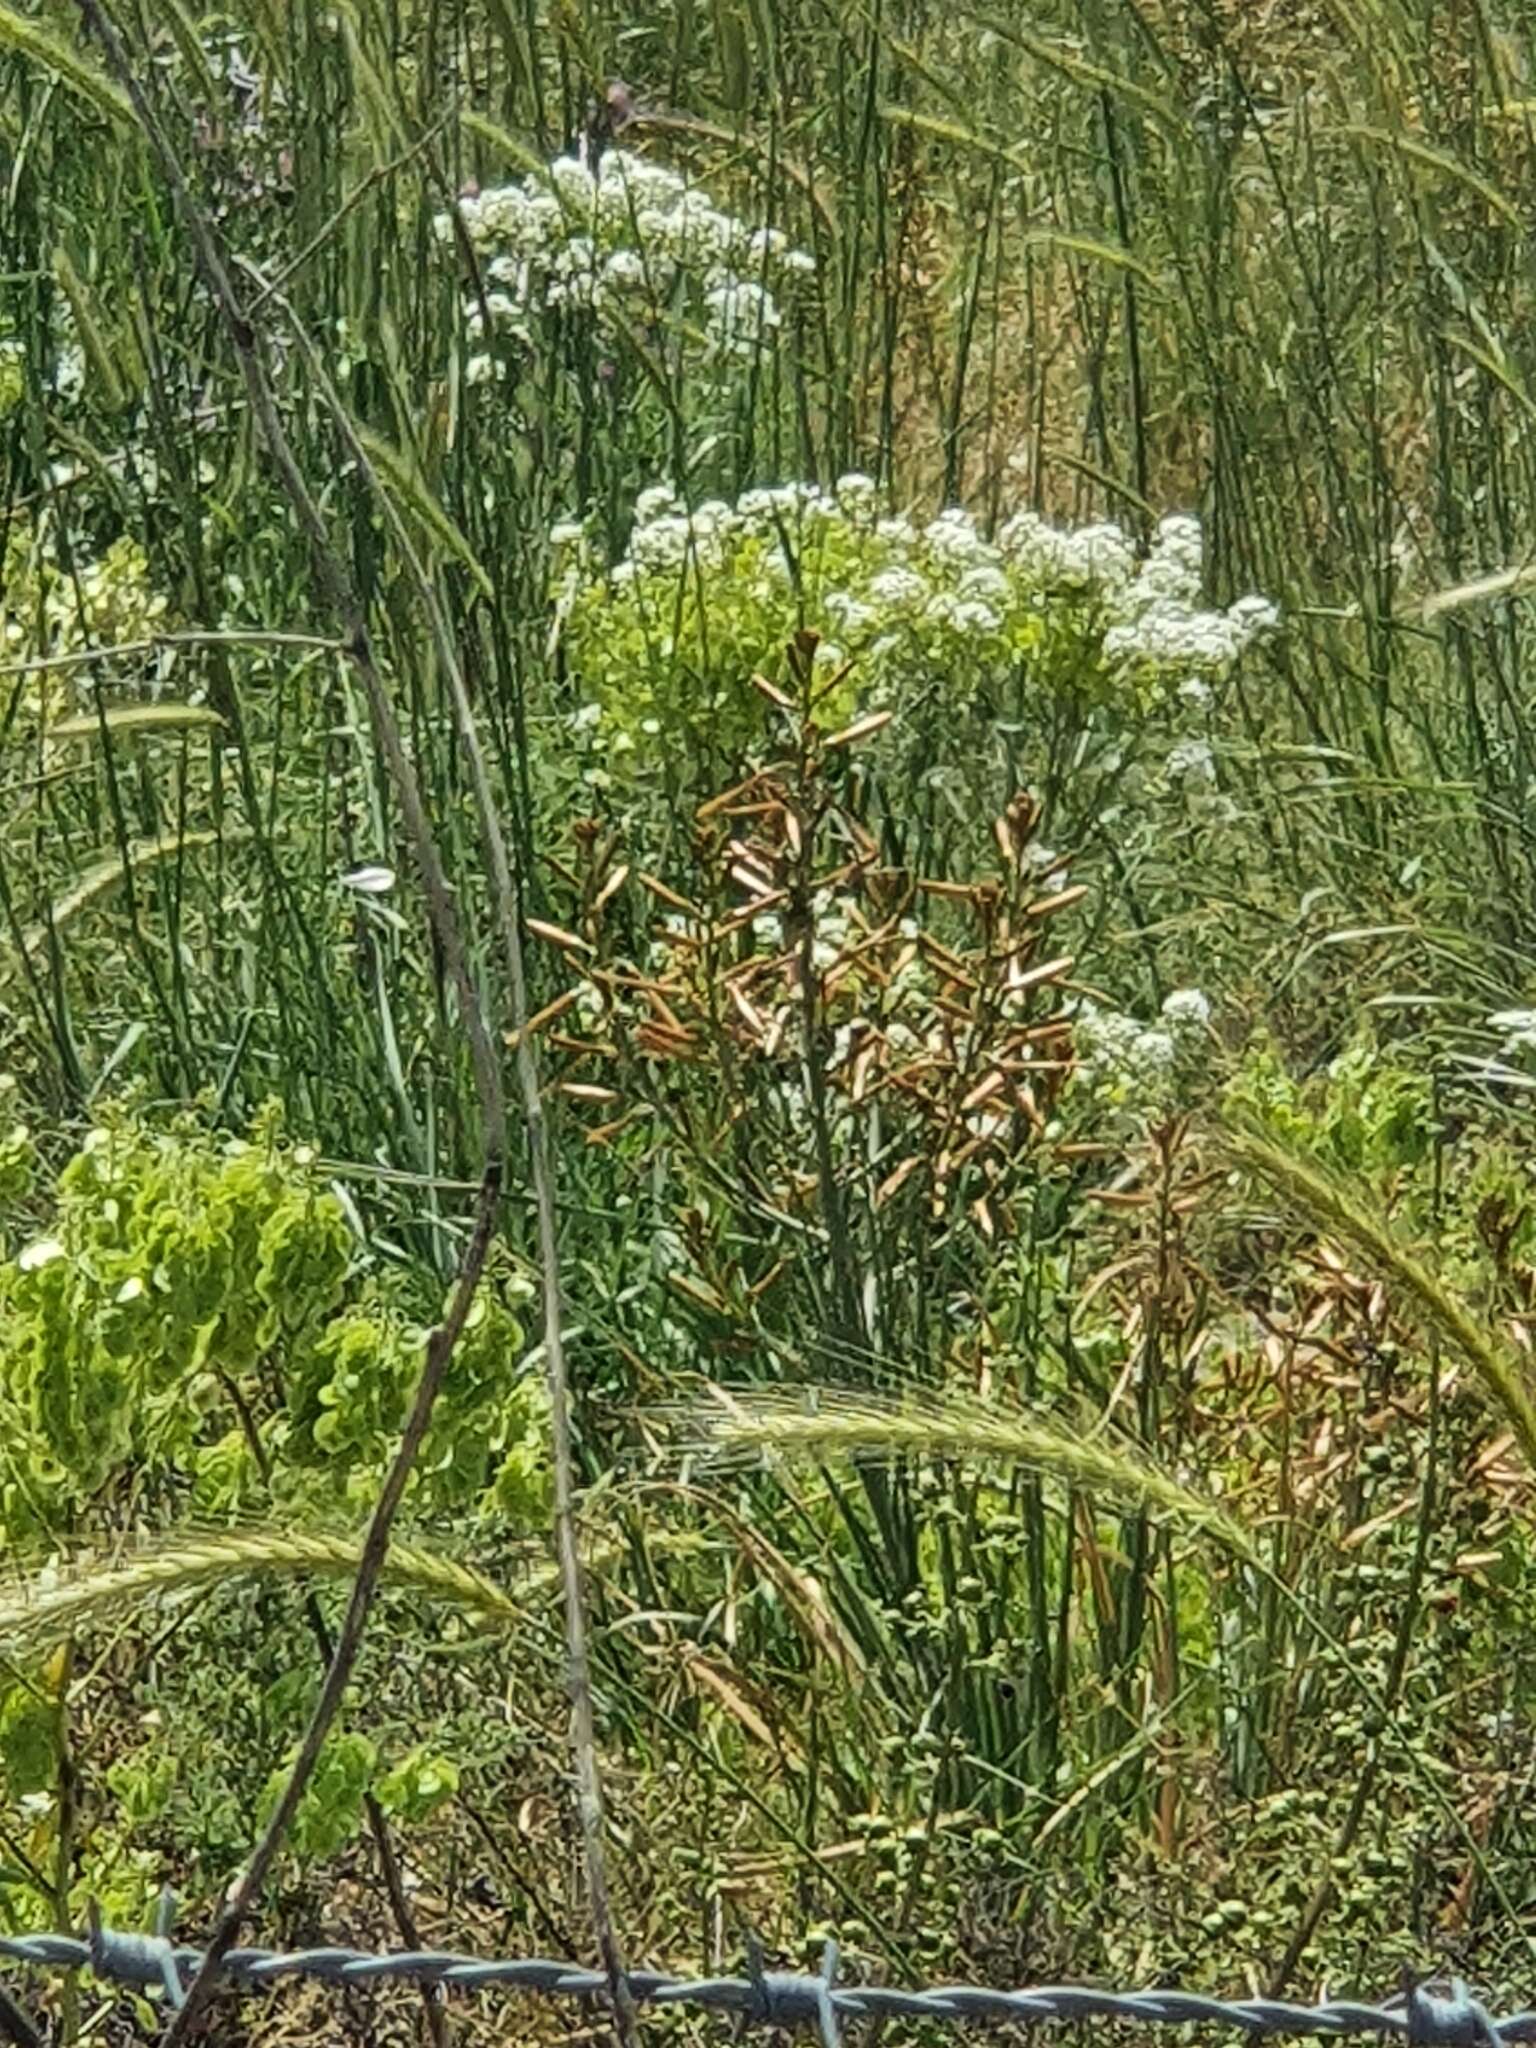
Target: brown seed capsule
620, 102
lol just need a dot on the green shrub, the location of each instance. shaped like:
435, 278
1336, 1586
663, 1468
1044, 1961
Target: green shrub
663, 644
188, 1288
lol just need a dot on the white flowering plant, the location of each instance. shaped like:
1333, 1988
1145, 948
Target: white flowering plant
1137, 1072
47, 610
63, 378
634, 246
663, 643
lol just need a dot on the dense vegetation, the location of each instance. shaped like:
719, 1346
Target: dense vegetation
912, 622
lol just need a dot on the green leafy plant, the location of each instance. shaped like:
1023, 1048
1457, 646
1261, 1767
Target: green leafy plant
200, 1307
881, 1050
331, 1811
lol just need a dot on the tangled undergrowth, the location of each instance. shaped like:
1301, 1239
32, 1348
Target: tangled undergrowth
984, 566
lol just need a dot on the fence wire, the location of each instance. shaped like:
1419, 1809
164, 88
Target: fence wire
1443, 2013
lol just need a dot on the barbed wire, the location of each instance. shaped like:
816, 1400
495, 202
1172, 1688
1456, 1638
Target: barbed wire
1438, 2014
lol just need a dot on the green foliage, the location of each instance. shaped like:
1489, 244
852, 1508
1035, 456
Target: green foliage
142, 1783
330, 1813
18, 1163
352, 1389
931, 619
52, 606
182, 1271
418, 1786
331, 1810
29, 1735
1367, 1112
170, 1259
814, 1124
13, 377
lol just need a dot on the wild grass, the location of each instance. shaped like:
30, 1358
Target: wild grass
830, 1423
962, 1675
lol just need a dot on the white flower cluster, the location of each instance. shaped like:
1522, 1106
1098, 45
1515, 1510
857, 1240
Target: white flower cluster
1136, 1063
664, 639
946, 575
618, 240
1191, 761
65, 376
1157, 620
1518, 1028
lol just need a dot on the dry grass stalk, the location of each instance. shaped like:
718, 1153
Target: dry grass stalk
830, 1423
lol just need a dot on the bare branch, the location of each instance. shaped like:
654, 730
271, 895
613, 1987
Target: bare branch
589, 1788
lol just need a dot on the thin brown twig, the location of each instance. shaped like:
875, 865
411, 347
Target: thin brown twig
14, 2024
504, 891
335, 582
440, 1346
340, 595
378, 1822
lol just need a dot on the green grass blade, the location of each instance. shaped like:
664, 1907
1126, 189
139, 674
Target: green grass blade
43, 47
129, 718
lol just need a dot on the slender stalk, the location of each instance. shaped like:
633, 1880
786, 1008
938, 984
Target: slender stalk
336, 585
66, 1824
89, 657
378, 1823
377, 176
340, 596
15, 2027
505, 898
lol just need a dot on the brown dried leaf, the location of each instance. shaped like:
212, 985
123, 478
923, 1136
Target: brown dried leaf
542, 1017
1048, 970
861, 729
749, 1015
610, 888
714, 805
896, 1179
669, 896
1061, 899
568, 942
772, 692
698, 1292
989, 1085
